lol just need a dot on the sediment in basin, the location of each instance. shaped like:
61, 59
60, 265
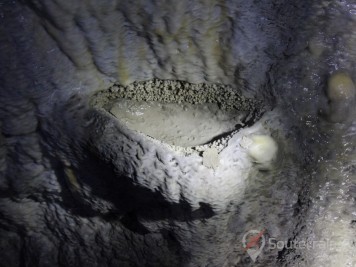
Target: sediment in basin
179, 113
181, 124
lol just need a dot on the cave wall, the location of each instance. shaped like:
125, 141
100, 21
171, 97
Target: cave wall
55, 55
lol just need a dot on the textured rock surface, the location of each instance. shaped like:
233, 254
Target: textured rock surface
76, 189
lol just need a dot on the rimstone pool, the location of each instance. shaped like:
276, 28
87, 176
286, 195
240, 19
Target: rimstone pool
180, 113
